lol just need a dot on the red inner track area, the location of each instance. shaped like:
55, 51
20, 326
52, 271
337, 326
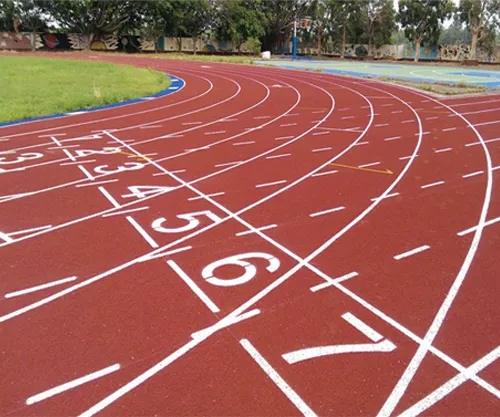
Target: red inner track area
261, 242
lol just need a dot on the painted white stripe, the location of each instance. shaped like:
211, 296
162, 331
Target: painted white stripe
431, 118
320, 174
361, 143
248, 232
387, 196
291, 114
142, 232
442, 150
150, 127
78, 162
206, 195
449, 129
472, 103
34, 229
76, 113
63, 147
372, 164
277, 379
163, 254
243, 143
194, 287
87, 174
72, 384
96, 183
118, 213
326, 132
393, 138
347, 117
411, 252
176, 171
215, 133
290, 124
432, 184
38, 287
227, 164
472, 174
191, 123
262, 117
52, 135
406, 157
270, 183
320, 213
473, 229
408, 121
486, 141
382, 124
387, 105
487, 123
318, 111
284, 137
344, 109
278, 156
370, 333
396, 111
321, 149
330, 282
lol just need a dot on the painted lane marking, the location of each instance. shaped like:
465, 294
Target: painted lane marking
344, 109
474, 103
370, 333
319, 174
96, 183
25, 231
452, 384
86, 173
355, 129
295, 399
150, 127
206, 195
284, 137
479, 111
52, 135
449, 129
387, 105
379, 171
361, 143
408, 121
320, 213
487, 123
382, 125
219, 132
191, 123
291, 114
247, 232
432, 118
291, 124
473, 229
433, 184
89, 161
486, 141
270, 183
72, 384
62, 147
318, 111
411, 252
396, 111
175, 171
387, 196
142, 232
321, 149
442, 150
228, 164
372, 164
406, 157
472, 174
243, 143
333, 281
118, 213
163, 254
321, 133
393, 138
193, 286
347, 117
38, 287
262, 117
229, 120
278, 156
241, 317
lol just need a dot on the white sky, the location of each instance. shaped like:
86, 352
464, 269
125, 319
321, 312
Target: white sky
397, 1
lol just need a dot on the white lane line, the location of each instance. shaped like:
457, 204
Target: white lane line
219, 132
110, 198
331, 282
227, 164
321, 149
406, 157
347, 117
361, 143
164, 254
52, 135
370, 333
320, 174
472, 174
284, 137
344, 109
206, 195
318, 111
96, 183
248, 232
144, 154
452, 384
267, 184
87, 174
371, 164
150, 127
408, 121
278, 156
290, 124
291, 114
244, 143
393, 138
326, 132
38, 287
433, 184
473, 103
118, 213
487, 123
382, 125
387, 105
396, 111
432, 118
191, 123
62, 147
263, 117
473, 229
411, 252
72, 384
387, 196
88, 161
442, 150
320, 213
193, 286
142, 232
176, 171
486, 141
229, 120
295, 399
449, 129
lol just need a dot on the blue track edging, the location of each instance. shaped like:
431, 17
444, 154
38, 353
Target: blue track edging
176, 84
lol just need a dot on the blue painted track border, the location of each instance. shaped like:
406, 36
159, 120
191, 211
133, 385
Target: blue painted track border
176, 84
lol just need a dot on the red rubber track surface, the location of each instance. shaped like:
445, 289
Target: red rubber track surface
261, 242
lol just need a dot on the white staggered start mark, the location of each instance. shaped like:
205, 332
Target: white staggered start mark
411, 252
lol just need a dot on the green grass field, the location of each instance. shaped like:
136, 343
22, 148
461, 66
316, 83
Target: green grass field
32, 87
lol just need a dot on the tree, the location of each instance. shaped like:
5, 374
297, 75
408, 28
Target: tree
482, 18
321, 18
157, 17
344, 18
455, 33
239, 21
422, 19
194, 18
7, 15
31, 17
378, 19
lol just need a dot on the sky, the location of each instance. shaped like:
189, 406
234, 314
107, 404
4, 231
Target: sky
397, 1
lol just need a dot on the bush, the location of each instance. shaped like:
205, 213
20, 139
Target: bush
255, 45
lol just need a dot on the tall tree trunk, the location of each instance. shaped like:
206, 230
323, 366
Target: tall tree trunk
319, 39
344, 36
370, 52
33, 41
473, 45
194, 44
179, 43
417, 50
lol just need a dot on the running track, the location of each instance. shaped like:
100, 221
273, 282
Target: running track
261, 242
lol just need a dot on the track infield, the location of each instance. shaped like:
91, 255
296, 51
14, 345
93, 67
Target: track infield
260, 242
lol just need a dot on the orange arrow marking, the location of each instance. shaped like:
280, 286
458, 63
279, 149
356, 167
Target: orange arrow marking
378, 171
